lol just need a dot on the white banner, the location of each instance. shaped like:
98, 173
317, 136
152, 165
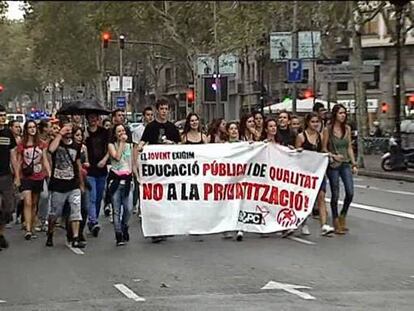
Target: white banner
212, 188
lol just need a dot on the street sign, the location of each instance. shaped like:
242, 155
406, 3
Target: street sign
227, 64
294, 70
121, 102
114, 84
280, 46
343, 73
309, 44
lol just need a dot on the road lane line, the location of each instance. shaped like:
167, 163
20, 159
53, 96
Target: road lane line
384, 190
303, 241
77, 251
2, 301
128, 292
379, 210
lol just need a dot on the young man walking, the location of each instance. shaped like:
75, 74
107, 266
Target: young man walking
7, 155
66, 183
97, 146
159, 131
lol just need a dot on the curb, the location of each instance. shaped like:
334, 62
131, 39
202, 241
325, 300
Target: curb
383, 175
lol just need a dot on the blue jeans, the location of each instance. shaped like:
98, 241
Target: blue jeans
345, 173
95, 198
122, 208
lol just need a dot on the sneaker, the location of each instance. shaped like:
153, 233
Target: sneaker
119, 239
49, 241
76, 243
125, 234
38, 228
287, 233
107, 210
95, 230
3, 242
239, 236
28, 236
326, 229
305, 230
82, 238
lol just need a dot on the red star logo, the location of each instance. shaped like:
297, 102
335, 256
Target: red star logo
264, 211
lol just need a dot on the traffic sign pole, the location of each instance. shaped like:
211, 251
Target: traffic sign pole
295, 51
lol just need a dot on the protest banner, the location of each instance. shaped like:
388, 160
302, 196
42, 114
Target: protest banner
203, 189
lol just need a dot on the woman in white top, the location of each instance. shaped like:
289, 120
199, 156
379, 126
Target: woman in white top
120, 181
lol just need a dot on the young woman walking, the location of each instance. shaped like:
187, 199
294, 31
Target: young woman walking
217, 131
337, 142
192, 134
310, 139
120, 181
33, 169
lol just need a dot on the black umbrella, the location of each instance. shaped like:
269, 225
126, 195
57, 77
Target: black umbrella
83, 107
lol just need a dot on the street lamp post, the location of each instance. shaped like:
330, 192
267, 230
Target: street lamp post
399, 6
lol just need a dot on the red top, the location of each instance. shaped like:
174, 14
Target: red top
35, 154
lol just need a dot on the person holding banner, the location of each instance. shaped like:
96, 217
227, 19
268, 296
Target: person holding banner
310, 139
217, 131
192, 134
247, 129
258, 121
232, 130
269, 131
285, 135
337, 142
159, 131
233, 136
120, 181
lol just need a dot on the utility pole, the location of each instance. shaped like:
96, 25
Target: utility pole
399, 6
217, 63
295, 52
121, 65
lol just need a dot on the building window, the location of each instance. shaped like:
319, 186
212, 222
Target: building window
168, 78
342, 86
305, 75
371, 28
374, 85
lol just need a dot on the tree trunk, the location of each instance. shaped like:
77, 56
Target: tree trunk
360, 96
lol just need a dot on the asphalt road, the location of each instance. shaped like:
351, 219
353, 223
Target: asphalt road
371, 268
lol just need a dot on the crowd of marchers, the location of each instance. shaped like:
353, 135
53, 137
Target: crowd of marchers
61, 171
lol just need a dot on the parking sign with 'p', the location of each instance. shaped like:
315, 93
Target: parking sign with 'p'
294, 70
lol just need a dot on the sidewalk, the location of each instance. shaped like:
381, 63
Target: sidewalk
373, 169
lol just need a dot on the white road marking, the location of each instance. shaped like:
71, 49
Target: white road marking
77, 251
128, 292
379, 210
290, 288
384, 190
2, 301
294, 238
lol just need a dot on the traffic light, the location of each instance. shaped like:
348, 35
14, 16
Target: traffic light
1, 88
190, 96
384, 107
121, 42
308, 93
105, 38
410, 101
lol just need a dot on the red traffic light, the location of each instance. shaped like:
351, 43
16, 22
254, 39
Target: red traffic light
106, 36
308, 93
384, 107
410, 101
190, 96
1, 88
